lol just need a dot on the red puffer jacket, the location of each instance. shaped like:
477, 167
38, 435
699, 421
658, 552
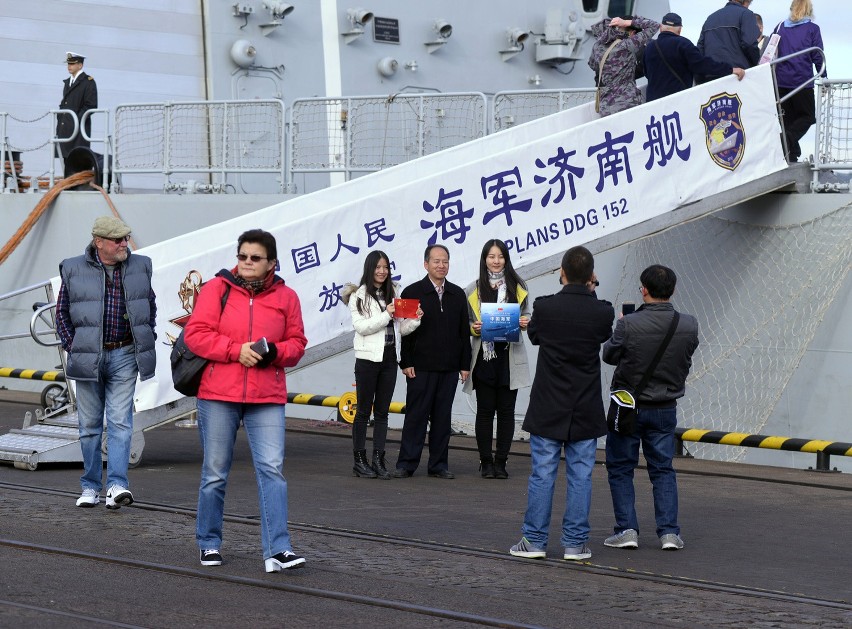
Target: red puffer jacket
218, 335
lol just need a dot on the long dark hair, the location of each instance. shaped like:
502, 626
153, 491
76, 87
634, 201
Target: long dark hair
510, 276
370, 264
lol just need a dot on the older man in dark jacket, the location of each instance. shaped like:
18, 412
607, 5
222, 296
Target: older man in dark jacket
730, 35
632, 348
434, 357
672, 61
565, 409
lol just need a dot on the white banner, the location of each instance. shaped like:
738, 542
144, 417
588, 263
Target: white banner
542, 187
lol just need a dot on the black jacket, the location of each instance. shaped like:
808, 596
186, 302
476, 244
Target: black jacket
634, 344
79, 98
730, 35
685, 61
442, 342
566, 402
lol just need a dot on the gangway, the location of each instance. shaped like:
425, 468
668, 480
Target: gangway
482, 179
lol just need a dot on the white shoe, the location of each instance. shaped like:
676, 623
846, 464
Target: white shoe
89, 498
118, 496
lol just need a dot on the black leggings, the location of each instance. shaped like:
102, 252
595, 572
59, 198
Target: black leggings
491, 400
374, 385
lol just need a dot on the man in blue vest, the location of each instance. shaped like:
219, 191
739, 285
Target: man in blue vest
105, 318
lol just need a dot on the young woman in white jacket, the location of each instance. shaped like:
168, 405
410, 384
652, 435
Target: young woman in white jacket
377, 345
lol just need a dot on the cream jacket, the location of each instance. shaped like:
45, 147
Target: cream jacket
370, 328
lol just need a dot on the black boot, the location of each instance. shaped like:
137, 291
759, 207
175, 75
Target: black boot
500, 468
486, 467
361, 467
380, 466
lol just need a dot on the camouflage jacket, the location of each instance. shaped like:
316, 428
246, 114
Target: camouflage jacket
617, 82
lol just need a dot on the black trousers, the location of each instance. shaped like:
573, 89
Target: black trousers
798, 114
491, 400
428, 402
374, 385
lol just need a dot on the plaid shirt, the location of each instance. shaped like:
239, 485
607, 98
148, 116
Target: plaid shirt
115, 323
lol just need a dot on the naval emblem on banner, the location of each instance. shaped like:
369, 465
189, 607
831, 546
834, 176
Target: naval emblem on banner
724, 131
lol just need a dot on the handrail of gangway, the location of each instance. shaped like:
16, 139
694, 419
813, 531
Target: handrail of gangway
810, 80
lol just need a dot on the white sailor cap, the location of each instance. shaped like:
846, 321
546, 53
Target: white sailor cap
73, 57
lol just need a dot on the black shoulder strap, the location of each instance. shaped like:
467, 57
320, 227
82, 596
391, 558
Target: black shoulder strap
643, 383
668, 65
225, 294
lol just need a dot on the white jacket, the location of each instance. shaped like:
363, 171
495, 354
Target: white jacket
370, 328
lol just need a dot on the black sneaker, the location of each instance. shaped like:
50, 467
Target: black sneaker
284, 561
210, 557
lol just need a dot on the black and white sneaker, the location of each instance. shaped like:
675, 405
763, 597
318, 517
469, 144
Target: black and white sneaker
210, 557
284, 561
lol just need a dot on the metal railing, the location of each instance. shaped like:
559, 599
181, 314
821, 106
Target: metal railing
512, 108
214, 138
368, 133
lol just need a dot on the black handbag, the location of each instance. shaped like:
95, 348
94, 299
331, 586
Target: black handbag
187, 367
621, 418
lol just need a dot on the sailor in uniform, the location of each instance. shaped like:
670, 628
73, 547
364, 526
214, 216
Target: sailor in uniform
79, 94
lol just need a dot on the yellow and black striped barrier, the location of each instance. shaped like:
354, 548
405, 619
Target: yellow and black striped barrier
346, 403
823, 449
32, 374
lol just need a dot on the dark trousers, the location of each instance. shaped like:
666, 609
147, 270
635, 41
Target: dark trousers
798, 114
491, 400
428, 402
374, 385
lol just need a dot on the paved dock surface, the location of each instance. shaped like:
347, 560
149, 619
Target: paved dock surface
765, 547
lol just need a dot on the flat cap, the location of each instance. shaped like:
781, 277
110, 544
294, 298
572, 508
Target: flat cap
73, 57
672, 19
110, 227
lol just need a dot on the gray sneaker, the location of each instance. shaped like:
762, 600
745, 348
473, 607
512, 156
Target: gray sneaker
575, 553
525, 549
670, 541
628, 538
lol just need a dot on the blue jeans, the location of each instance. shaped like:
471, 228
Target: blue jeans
264, 423
111, 395
579, 462
655, 428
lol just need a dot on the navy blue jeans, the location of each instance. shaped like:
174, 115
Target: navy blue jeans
655, 429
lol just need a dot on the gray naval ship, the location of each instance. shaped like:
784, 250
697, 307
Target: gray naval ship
217, 116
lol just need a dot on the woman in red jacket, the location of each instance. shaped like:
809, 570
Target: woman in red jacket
242, 385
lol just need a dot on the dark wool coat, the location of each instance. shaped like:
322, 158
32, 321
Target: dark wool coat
566, 400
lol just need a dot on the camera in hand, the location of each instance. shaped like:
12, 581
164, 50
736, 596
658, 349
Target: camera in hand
627, 307
260, 346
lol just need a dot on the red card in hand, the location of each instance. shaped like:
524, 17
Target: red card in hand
405, 308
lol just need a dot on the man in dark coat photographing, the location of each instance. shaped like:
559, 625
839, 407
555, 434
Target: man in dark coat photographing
565, 410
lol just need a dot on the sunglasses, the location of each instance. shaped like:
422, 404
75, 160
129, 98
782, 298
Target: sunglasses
118, 241
254, 258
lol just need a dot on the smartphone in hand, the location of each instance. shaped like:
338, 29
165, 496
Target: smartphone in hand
627, 307
260, 346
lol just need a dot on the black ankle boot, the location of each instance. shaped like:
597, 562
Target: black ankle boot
500, 468
361, 467
486, 467
380, 466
